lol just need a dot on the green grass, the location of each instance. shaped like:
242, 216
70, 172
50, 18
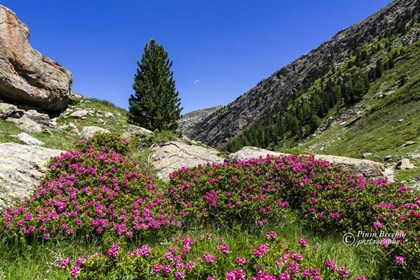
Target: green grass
64, 139
39, 260
7, 130
114, 124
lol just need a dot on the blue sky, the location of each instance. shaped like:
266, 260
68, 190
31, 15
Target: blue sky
220, 49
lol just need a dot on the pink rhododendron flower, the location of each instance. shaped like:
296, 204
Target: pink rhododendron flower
261, 250
65, 262
330, 264
223, 248
344, 273
240, 261
179, 275
303, 241
155, 268
74, 271
377, 225
113, 251
399, 260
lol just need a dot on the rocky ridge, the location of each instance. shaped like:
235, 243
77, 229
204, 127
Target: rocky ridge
189, 120
227, 122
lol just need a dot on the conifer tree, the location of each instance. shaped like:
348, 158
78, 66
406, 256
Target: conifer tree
155, 103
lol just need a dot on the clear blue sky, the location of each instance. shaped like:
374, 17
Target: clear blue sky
220, 48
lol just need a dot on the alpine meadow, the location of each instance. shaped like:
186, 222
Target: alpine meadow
313, 173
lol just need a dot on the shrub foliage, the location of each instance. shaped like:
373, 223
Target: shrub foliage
98, 192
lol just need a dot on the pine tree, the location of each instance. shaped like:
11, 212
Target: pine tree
155, 103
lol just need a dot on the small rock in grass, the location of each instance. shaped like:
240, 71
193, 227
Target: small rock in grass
6, 110
366, 155
28, 139
37, 117
79, 113
88, 131
405, 164
26, 124
408, 143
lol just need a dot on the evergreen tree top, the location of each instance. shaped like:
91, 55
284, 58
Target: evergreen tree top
155, 104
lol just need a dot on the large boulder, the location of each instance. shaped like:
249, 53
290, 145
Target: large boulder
362, 167
27, 76
21, 168
249, 152
171, 156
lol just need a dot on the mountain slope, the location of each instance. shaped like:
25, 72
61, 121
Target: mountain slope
277, 93
189, 120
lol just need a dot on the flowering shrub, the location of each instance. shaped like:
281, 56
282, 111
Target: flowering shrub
227, 194
328, 198
110, 143
402, 247
91, 193
206, 258
97, 193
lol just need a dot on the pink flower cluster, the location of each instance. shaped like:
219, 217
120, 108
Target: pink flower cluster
175, 265
92, 192
260, 251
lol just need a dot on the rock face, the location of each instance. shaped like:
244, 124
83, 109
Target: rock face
361, 167
21, 167
27, 76
171, 156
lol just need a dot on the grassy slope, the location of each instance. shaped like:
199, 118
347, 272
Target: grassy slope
388, 122
64, 139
